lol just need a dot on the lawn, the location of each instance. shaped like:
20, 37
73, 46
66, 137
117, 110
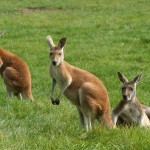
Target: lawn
103, 37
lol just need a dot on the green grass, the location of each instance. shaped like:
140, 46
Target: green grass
103, 37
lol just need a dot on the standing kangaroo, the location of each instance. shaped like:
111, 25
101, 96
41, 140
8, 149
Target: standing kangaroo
82, 88
129, 109
16, 75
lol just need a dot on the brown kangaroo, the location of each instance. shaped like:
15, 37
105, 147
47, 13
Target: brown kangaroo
82, 88
130, 110
16, 75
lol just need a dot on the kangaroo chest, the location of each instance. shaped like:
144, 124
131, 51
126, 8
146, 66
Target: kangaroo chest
60, 76
131, 112
64, 80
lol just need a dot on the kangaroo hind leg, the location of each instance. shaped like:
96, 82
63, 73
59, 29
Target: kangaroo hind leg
81, 116
86, 97
10, 76
146, 110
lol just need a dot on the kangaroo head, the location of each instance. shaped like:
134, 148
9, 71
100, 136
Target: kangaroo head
56, 52
129, 87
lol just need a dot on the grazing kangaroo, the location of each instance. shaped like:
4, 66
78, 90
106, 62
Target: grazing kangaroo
130, 110
82, 88
16, 75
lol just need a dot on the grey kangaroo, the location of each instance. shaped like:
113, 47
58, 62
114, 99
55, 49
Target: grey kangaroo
129, 109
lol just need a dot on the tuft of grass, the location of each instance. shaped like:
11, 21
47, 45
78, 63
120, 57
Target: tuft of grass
103, 37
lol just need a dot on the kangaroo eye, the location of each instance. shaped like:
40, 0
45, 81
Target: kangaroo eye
59, 54
131, 88
123, 88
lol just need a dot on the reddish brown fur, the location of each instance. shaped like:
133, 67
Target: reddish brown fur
95, 94
16, 75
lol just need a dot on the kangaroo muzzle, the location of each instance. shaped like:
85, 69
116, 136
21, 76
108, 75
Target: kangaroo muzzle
54, 62
124, 97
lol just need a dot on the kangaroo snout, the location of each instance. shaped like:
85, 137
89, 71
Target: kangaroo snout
125, 97
54, 62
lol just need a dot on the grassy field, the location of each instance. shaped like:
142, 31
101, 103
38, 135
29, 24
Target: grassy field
103, 37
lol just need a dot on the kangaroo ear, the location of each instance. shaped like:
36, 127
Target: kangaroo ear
62, 42
122, 78
137, 78
50, 41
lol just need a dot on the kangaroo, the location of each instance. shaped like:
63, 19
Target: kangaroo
130, 110
16, 75
82, 88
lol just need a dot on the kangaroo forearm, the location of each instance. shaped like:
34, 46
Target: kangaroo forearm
52, 88
64, 87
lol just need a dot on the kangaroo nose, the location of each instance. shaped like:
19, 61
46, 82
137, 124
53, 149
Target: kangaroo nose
124, 97
54, 62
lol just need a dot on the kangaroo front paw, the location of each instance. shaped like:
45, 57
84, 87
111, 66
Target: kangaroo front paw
53, 102
57, 101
